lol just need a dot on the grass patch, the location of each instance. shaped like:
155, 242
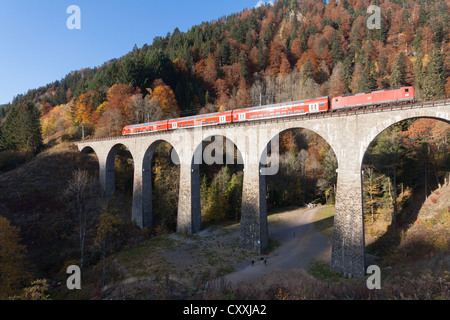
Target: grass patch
321, 271
9, 160
327, 211
222, 271
273, 245
325, 222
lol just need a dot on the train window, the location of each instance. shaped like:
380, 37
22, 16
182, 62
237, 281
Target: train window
322, 104
260, 116
406, 90
296, 112
290, 112
266, 116
284, 113
278, 114
272, 114
337, 100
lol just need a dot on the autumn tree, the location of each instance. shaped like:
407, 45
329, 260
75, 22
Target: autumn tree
387, 153
80, 200
243, 98
118, 98
83, 112
296, 49
277, 56
210, 71
37, 291
115, 113
107, 229
337, 83
329, 166
12, 259
166, 98
372, 190
145, 109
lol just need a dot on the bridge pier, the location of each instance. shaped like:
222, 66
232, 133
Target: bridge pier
348, 248
349, 135
254, 230
189, 209
106, 172
142, 210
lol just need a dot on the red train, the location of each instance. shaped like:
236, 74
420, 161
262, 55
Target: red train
374, 98
281, 110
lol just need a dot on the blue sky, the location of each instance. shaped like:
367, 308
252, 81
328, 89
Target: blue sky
37, 48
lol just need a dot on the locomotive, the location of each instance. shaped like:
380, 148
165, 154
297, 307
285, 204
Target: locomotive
279, 110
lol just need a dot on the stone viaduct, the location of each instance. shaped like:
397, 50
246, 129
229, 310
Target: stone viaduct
348, 132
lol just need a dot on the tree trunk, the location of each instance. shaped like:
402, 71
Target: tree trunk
104, 263
395, 186
426, 180
82, 237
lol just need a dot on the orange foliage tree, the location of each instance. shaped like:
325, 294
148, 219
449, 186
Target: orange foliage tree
115, 114
83, 112
166, 97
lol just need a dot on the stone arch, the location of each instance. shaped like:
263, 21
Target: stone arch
90, 152
269, 159
200, 157
377, 130
109, 179
142, 193
274, 137
388, 124
394, 227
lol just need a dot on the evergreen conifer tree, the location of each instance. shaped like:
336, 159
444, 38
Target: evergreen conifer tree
22, 129
433, 82
398, 71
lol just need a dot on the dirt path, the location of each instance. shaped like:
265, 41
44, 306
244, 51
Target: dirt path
299, 241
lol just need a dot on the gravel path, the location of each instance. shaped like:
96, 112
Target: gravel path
299, 241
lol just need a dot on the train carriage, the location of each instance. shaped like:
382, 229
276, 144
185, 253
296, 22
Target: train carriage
282, 110
200, 120
145, 128
295, 108
393, 95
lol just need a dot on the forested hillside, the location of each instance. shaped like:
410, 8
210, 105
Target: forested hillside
289, 51
292, 50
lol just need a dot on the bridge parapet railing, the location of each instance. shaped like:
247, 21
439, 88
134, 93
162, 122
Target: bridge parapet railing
309, 116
